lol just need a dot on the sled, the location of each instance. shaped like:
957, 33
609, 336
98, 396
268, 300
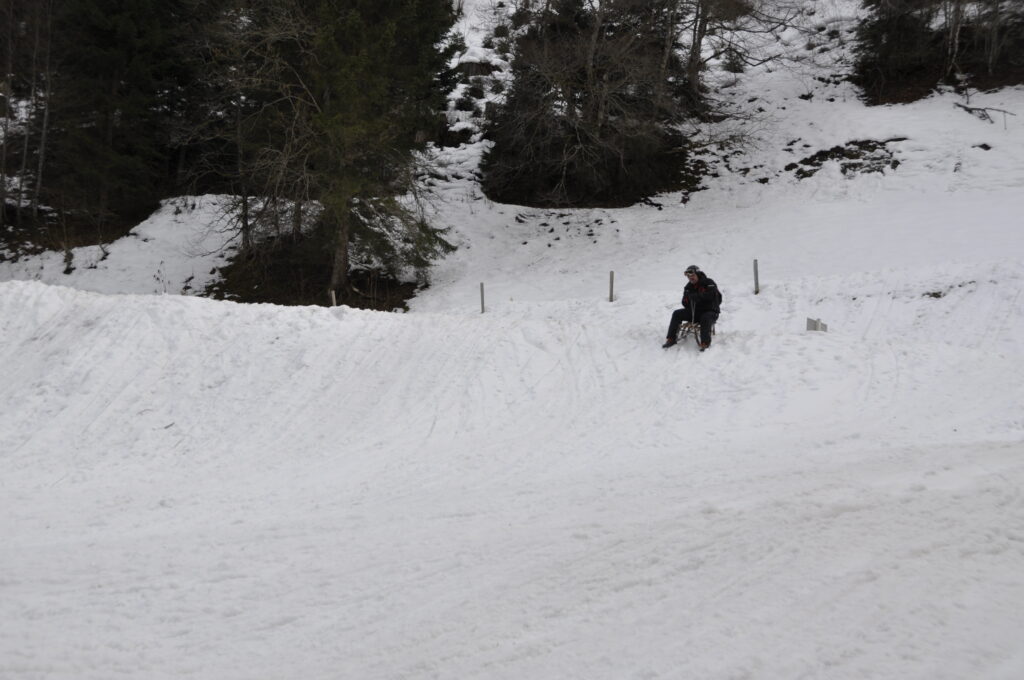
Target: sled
691, 329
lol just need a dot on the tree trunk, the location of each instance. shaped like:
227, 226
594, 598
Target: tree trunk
954, 23
109, 123
181, 168
592, 87
34, 99
8, 70
666, 54
339, 270
545, 17
993, 41
603, 93
694, 62
246, 227
48, 74
297, 219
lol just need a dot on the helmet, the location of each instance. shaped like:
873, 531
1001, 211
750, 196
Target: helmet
692, 269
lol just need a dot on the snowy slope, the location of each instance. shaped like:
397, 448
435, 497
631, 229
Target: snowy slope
199, 489
176, 251
508, 495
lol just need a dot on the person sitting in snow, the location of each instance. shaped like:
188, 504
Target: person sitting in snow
701, 304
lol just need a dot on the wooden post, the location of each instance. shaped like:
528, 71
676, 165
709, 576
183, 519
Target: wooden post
334, 298
757, 284
481, 297
611, 286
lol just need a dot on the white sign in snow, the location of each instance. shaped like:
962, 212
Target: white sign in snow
816, 325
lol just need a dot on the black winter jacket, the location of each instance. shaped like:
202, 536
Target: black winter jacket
702, 296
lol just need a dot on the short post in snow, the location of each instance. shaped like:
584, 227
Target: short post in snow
481, 297
816, 325
757, 284
334, 298
611, 286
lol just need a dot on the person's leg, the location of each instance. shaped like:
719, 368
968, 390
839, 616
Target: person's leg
707, 320
678, 317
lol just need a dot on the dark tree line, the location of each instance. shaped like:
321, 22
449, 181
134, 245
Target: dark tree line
600, 89
310, 112
591, 105
907, 47
92, 92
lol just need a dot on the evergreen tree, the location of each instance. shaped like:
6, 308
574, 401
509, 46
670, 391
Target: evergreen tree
898, 50
907, 47
310, 107
591, 116
117, 82
377, 74
320, 108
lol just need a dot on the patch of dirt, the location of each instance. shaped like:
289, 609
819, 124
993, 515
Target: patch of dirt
938, 294
859, 156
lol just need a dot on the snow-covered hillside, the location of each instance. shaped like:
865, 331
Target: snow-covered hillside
199, 489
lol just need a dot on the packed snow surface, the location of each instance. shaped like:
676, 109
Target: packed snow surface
200, 489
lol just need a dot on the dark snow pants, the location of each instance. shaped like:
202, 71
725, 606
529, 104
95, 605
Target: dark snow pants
705, 319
